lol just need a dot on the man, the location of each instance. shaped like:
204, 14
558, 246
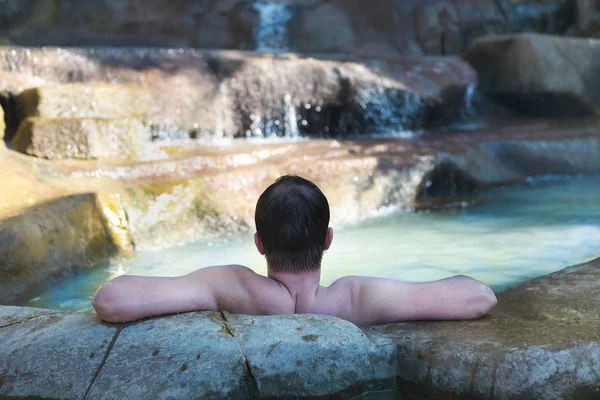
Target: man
292, 224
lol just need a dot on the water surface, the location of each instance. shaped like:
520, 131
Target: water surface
514, 234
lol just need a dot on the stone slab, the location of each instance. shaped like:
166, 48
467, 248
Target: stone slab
10, 315
52, 356
82, 138
300, 356
182, 356
89, 100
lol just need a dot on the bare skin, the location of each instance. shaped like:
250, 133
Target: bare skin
361, 300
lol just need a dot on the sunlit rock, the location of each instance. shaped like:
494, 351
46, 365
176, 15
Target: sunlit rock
84, 101
51, 240
539, 75
83, 138
240, 94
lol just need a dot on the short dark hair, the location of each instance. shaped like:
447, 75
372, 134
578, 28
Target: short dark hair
292, 218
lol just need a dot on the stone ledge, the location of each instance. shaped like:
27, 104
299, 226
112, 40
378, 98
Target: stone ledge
542, 341
82, 138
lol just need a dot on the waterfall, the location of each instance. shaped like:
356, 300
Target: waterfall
291, 118
270, 34
471, 96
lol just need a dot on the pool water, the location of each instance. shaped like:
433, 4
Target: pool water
513, 234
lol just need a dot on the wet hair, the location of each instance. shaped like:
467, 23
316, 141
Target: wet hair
292, 218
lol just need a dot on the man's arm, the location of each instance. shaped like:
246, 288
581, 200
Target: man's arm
129, 298
377, 301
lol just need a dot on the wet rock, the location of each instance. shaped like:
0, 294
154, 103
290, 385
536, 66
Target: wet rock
542, 341
182, 356
539, 75
51, 356
82, 138
45, 242
84, 101
234, 94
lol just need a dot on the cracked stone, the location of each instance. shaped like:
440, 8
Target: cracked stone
183, 356
326, 356
48, 356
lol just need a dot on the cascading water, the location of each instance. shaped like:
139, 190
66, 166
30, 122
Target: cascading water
471, 96
271, 33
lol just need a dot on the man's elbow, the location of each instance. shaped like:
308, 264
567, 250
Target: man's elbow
108, 305
483, 301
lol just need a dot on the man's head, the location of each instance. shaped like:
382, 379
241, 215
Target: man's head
292, 225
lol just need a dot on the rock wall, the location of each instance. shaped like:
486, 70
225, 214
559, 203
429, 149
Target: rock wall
381, 28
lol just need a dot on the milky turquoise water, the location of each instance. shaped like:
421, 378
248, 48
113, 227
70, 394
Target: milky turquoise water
515, 234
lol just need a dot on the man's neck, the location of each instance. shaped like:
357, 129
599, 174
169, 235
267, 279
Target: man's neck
299, 285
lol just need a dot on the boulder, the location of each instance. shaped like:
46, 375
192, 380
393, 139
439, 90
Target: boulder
82, 138
50, 241
84, 101
539, 75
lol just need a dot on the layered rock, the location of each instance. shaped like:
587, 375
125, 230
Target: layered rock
542, 341
539, 75
83, 138
84, 101
233, 94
